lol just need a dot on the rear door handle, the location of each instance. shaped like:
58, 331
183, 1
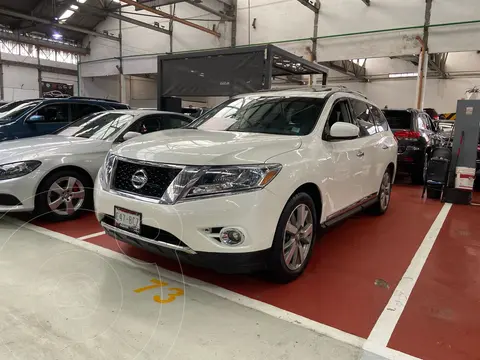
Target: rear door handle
360, 153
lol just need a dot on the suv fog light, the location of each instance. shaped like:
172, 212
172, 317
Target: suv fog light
231, 236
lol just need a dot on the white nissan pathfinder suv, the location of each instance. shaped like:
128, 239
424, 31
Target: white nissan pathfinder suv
253, 196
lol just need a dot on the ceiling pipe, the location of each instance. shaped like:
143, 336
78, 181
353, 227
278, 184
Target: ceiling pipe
171, 17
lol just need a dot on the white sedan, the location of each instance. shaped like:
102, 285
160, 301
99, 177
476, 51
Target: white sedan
53, 175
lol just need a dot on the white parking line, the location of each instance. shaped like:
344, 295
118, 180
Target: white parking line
386, 323
86, 237
320, 328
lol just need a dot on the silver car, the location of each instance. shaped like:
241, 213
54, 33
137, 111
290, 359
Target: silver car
53, 175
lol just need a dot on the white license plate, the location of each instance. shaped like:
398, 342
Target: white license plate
128, 220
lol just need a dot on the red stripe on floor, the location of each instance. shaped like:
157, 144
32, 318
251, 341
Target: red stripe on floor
442, 318
87, 224
338, 288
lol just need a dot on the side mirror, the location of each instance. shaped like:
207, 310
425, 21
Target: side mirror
130, 135
36, 118
344, 131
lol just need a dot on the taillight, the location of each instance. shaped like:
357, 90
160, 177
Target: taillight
436, 117
407, 134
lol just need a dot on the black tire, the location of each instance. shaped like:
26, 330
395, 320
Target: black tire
379, 207
42, 207
419, 172
278, 269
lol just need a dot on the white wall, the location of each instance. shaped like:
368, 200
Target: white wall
141, 92
441, 94
103, 87
19, 83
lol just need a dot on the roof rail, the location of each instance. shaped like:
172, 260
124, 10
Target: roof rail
92, 98
318, 88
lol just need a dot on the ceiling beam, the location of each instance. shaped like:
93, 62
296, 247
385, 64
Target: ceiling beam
313, 5
367, 2
349, 68
38, 7
215, 7
222, 9
94, 10
55, 70
171, 17
44, 43
19, 15
437, 63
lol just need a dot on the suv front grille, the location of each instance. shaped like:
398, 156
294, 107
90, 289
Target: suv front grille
159, 178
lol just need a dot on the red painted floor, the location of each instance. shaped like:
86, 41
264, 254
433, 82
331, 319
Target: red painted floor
338, 287
86, 225
442, 318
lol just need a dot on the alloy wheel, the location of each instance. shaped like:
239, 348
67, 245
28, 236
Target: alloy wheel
385, 191
66, 196
298, 236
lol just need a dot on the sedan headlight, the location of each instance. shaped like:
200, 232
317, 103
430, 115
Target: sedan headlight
232, 179
106, 171
17, 169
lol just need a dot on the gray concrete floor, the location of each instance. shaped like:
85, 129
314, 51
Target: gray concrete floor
59, 301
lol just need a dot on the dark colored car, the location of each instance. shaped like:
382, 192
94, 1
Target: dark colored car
13, 104
417, 136
45, 116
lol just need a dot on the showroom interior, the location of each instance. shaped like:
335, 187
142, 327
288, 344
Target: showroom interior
167, 166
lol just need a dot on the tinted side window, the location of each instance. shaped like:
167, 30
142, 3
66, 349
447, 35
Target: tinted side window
340, 113
56, 113
149, 124
380, 119
363, 116
80, 110
174, 121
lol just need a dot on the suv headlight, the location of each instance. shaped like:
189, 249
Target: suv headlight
106, 171
231, 179
18, 169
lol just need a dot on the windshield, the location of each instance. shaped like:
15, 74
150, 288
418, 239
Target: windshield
17, 111
398, 119
99, 126
264, 114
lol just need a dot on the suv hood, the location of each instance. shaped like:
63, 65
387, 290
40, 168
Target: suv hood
48, 146
197, 147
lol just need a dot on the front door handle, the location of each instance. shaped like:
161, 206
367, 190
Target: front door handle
385, 147
360, 153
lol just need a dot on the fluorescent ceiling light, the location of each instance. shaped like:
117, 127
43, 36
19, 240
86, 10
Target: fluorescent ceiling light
66, 14
82, 1
402, 75
74, 7
57, 35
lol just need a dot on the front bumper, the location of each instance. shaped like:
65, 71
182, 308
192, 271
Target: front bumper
181, 229
22, 189
410, 160
233, 263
